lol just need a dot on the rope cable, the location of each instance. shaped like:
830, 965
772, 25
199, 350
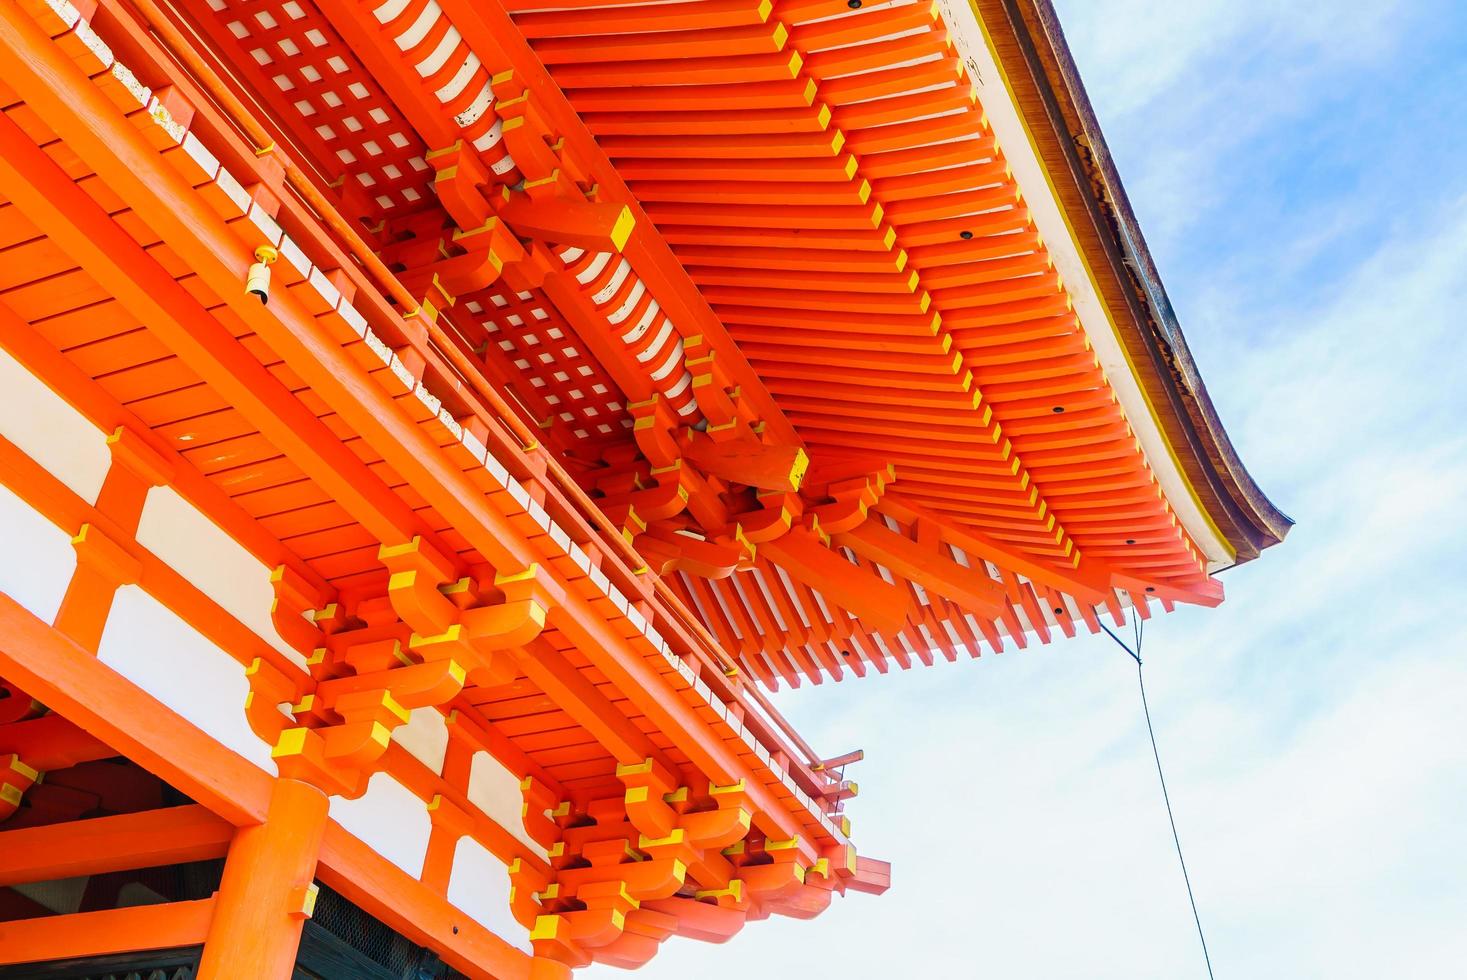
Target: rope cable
1139, 634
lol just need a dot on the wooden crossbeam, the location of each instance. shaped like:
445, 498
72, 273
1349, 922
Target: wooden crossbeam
835, 762
52, 742
578, 697
922, 562
604, 227
872, 876
1087, 584
76, 684
111, 931
148, 839
72, 681
31, 348
878, 603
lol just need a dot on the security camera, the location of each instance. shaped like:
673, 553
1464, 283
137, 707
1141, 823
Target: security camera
257, 283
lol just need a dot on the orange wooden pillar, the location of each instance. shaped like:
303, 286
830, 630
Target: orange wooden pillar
267, 893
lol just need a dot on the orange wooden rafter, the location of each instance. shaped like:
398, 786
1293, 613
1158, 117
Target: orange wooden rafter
918, 183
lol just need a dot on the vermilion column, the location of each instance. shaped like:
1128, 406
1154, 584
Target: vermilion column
265, 895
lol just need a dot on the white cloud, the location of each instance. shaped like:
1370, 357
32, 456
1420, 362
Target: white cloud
1186, 89
1137, 53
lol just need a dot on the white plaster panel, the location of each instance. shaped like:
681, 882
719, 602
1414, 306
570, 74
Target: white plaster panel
390, 820
50, 431
425, 736
39, 558
216, 564
478, 885
148, 644
496, 791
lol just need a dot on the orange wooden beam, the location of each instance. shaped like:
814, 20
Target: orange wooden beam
73, 220
30, 347
1087, 583
52, 742
872, 876
118, 843
573, 693
882, 605
100, 933
971, 588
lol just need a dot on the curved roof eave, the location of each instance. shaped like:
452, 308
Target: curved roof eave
1027, 39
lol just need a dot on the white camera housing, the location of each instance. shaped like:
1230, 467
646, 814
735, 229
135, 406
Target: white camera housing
257, 283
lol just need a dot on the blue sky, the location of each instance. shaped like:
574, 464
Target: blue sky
1298, 169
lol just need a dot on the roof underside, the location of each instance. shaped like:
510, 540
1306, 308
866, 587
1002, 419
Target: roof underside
865, 266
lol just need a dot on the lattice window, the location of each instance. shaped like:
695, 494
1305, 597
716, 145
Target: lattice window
304, 69
527, 333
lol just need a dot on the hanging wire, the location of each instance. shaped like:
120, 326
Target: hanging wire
1139, 632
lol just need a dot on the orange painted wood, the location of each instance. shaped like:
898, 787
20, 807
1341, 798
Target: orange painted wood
816, 566
260, 910
974, 590
950, 367
100, 933
177, 317
149, 839
704, 15
758, 38
986, 273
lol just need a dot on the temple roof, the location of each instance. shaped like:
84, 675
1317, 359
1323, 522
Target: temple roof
537, 385
835, 311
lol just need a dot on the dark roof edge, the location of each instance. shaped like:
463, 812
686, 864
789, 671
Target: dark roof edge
1232, 499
